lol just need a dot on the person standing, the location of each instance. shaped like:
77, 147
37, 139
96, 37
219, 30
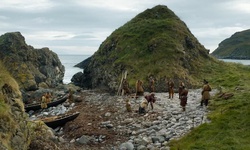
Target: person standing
183, 98
170, 84
181, 85
205, 93
125, 87
152, 84
44, 102
139, 88
48, 97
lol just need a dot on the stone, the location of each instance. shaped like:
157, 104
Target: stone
126, 146
84, 139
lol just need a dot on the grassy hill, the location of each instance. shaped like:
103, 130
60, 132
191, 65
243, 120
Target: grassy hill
157, 43
235, 47
230, 119
154, 43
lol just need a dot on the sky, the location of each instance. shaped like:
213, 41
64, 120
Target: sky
80, 26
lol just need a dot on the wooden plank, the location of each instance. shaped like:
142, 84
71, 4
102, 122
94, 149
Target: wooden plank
120, 86
125, 77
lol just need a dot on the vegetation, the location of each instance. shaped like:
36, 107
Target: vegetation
154, 43
157, 43
6, 121
230, 119
235, 47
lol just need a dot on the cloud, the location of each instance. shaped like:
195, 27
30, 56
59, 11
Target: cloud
209, 36
121, 5
85, 24
51, 35
26, 5
241, 6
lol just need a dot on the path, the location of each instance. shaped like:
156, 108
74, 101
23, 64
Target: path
170, 122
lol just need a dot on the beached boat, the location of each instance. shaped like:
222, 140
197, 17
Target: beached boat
60, 120
37, 106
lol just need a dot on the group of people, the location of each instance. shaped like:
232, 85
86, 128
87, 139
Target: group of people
182, 91
139, 89
46, 98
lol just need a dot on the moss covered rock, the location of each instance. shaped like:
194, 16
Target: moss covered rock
30, 66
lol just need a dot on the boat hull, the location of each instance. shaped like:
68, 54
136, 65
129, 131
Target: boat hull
37, 106
61, 120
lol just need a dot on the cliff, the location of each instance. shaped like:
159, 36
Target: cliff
32, 68
16, 131
155, 43
235, 47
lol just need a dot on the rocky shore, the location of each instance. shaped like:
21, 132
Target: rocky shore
104, 122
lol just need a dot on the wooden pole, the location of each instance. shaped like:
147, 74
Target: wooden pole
125, 77
120, 86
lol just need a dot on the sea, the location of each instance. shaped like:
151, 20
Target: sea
241, 61
69, 61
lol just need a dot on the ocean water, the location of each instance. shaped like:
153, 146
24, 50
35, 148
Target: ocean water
244, 62
69, 61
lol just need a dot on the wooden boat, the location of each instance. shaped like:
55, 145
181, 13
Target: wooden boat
60, 120
37, 106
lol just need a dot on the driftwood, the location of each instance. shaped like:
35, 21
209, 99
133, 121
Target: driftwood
120, 90
226, 95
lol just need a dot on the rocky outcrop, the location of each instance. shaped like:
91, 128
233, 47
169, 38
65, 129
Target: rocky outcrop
156, 43
17, 131
14, 130
32, 68
235, 47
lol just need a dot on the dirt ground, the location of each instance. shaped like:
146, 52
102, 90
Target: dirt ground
92, 113
96, 108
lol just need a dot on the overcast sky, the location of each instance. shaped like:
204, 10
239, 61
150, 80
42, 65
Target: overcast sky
80, 26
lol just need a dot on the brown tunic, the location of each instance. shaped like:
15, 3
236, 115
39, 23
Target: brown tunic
183, 97
205, 92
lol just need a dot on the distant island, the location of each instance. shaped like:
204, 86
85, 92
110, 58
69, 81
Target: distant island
235, 47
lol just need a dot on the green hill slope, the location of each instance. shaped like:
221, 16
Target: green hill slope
154, 43
235, 47
230, 119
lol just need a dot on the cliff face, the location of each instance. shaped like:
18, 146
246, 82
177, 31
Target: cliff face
30, 67
235, 47
14, 130
156, 43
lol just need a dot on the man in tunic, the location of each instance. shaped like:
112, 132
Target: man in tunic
44, 102
183, 98
125, 87
152, 84
170, 85
180, 89
48, 97
151, 99
205, 93
139, 88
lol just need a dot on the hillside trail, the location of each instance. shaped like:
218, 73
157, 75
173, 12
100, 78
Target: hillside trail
164, 103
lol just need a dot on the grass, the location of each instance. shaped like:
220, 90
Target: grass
230, 119
7, 124
152, 43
